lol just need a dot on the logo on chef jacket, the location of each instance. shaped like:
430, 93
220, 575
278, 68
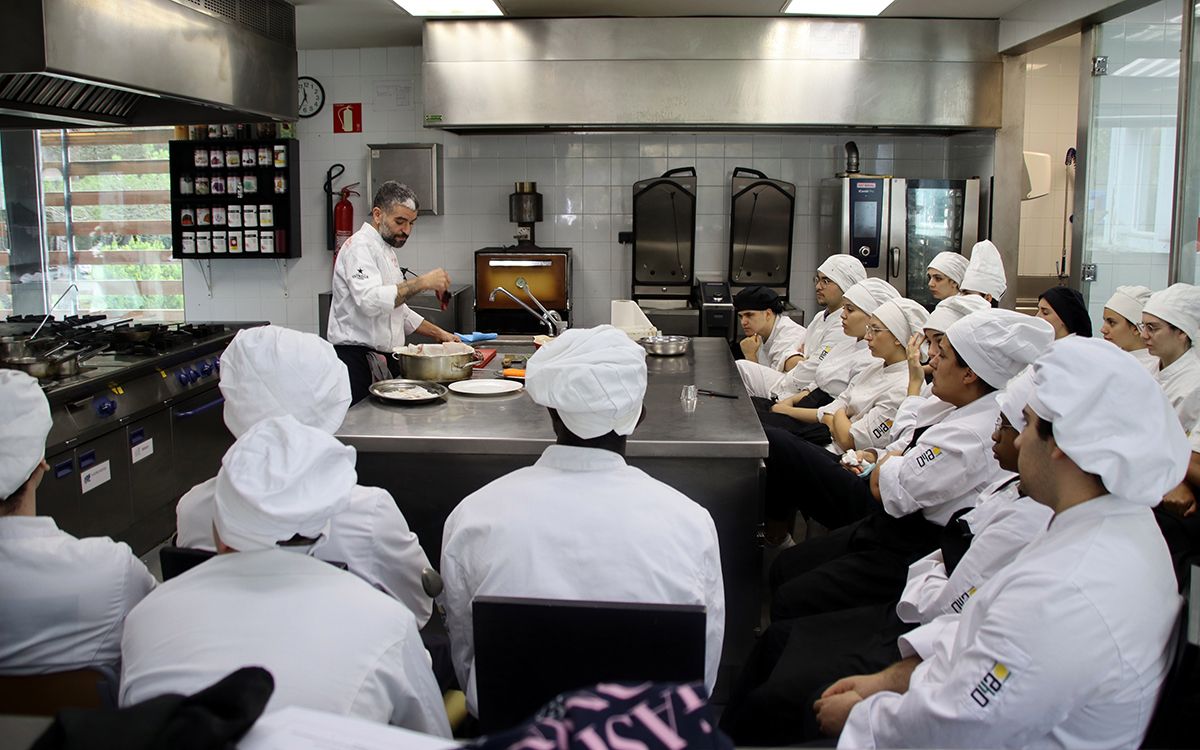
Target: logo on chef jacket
926, 457
828, 348
883, 428
359, 274
991, 684
958, 604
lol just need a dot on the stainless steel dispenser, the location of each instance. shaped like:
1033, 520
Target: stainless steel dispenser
664, 236
761, 225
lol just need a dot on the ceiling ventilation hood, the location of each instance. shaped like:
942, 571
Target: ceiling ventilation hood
99, 63
711, 73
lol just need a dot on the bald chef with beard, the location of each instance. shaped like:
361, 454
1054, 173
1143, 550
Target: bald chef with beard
368, 317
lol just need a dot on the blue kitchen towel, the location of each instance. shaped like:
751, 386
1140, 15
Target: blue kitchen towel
472, 338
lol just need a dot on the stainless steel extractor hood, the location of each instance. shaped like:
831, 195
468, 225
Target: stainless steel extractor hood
711, 73
88, 63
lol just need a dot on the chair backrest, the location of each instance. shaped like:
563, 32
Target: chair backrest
47, 694
527, 651
179, 560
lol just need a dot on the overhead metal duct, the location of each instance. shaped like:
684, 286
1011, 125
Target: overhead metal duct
81, 63
731, 73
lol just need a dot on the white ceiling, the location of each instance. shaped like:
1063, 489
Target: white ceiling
323, 24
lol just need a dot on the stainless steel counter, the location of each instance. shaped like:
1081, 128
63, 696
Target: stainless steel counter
514, 425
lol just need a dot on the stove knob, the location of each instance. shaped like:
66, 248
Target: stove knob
106, 407
217, 364
193, 375
182, 377
206, 368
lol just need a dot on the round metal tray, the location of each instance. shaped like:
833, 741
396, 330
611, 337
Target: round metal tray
665, 346
386, 390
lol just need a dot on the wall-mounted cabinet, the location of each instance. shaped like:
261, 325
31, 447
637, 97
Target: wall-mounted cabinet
418, 165
235, 199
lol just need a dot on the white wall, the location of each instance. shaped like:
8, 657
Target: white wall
1051, 121
586, 180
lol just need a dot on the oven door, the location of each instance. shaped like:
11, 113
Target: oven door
199, 437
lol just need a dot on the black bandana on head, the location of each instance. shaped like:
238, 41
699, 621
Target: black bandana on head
1070, 307
757, 298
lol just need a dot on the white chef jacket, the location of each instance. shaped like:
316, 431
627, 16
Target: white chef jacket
766, 370
370, 536
824, 333
363, 311
924, 409
947, 468
1181, 383
63, 600
870, 401
331, 642
1002, 524
1066, 647
1147, 360
580, 524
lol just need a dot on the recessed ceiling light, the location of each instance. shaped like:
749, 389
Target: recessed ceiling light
837, 7
450, 7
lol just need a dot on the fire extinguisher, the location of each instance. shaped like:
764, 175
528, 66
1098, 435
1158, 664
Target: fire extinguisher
343, 218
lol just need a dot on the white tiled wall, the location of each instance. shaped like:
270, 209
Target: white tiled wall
1051, 121
585, 178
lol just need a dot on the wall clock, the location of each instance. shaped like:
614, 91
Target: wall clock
311, 96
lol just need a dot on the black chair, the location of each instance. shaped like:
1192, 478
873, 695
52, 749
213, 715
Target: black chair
1173, 723
527, 651
176, 561
47, 694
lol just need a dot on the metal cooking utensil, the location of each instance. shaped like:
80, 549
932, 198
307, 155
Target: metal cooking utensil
50, 313
665, 346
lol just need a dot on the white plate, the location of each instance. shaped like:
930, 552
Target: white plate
485, 387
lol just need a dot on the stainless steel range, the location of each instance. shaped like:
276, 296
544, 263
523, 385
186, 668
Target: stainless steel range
138, 426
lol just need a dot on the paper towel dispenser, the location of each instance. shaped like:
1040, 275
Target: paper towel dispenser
1037, 175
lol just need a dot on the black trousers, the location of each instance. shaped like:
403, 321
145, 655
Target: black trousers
814, 433
805, 477
1182, 536
856, 565
795, 660
355, 359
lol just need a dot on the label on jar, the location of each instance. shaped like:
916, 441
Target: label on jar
220, 242
280, 183
250, 242
187, 217
266, 215
201, 186
249, 184
216, 158
235, 242
203, 216
203, 243
264, 156
249, 216
248, 156
266, 242
201, 157
188, 243
233, 157
280, 155
229, 130
218, 216
214, 131
233, 217
217, 185
186, 186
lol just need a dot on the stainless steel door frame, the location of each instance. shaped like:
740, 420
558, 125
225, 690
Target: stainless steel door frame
895, 261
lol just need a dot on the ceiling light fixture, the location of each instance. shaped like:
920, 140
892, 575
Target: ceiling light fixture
447, 8
836, 7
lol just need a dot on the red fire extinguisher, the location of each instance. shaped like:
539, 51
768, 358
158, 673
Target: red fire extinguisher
343, 218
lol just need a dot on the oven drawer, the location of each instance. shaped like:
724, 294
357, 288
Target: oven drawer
199, 438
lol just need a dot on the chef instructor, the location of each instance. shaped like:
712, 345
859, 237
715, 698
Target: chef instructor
369, 317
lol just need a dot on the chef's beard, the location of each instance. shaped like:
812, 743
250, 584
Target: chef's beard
395, 239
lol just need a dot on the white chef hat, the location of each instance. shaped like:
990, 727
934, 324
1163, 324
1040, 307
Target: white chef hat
1014, 398
843, 270
24, 425
1179, 305
953, 309
998, 344
595, 378
869, 294
985, 272
903, 317
954, 265
1136, 447
270, 371
281, 478
1128, 301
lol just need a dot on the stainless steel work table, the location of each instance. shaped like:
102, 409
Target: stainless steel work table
431, 456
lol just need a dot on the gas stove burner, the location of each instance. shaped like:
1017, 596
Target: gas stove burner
80, 320
203, 330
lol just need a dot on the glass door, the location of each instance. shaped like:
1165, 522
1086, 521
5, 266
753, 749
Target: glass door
934, 211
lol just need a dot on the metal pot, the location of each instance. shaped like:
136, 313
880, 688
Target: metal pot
665, 346
48, 368
14, 347
440, 369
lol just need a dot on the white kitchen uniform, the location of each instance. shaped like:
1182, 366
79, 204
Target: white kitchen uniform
331, 642
824, 333
63, 599
363, 310
948, 466
580, 524
1147, 360
370, 536
786, 340
1066, 647
913, 410
870, 401
838, 368
1181, 383
1002, 524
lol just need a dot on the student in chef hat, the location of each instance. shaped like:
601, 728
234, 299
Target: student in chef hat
1065, 309
945, 273
45, 572
985, 273
1170, 327
271, 371
843, 270
1122, 323
581, 523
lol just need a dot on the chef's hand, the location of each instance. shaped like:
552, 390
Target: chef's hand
750, 346
832, 712
1180, 501
916, 371
436, 280
862, 685
864, 457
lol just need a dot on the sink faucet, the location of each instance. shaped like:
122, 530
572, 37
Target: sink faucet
550, 317
552, 320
